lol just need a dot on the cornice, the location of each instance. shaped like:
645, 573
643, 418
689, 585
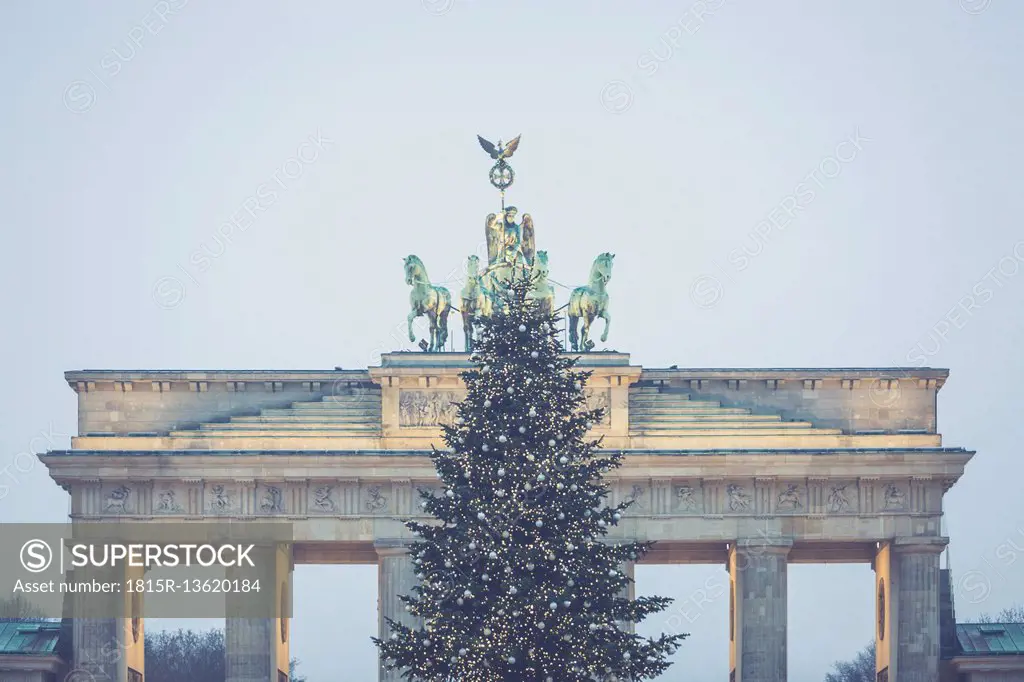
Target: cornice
943, 464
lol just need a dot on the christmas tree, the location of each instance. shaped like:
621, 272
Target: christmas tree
516, 579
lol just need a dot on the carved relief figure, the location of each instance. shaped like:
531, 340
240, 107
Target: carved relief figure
790, 498
167, 502
322, 499
600, 399
426, 408
687, 501
739, 500
894, 497
117, 500
270, 501
635, 494
375, 500
837, 501
221, 500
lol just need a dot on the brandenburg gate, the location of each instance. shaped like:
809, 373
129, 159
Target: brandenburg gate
752, 469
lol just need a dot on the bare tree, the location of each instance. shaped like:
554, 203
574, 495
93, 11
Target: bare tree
185, 655
19, 608
860, 669
192, 656
1013, 614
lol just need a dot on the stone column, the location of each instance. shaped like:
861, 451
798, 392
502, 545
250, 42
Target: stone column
96, 650
256, 644
101, 644
907, 608
249, 644
396, 575
757, 607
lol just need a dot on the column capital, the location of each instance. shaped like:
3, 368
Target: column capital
763, 545
919, 545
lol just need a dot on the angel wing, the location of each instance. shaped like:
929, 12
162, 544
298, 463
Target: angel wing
494, 231
529, 239
510, 148
488, 147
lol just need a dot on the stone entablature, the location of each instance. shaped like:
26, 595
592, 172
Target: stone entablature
348, 497
399, 404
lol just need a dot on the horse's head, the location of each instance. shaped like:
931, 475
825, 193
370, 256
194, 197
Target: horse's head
602, 268
540, 264
413, 269
473, 266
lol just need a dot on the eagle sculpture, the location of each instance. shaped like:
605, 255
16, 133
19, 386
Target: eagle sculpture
499, 152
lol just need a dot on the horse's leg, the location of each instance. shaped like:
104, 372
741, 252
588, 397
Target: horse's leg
433, 332
467, 326
412, 316
574, 342
442, 330
585, 335
445, 309
607, 323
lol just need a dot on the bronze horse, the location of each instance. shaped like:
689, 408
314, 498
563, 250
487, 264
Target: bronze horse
475, 301
590, 302
426, 299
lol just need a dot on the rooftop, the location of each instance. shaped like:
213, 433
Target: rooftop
987, 639
29, 637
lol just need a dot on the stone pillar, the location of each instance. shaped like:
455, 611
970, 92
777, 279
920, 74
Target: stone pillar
104, 644
249, 644
757, 610
396, 575
907, 609
256, 646
96, 650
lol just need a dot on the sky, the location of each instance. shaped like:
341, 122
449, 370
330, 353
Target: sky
669, 133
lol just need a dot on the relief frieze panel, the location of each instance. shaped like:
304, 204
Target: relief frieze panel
841, 497
600, 399
739, 499
894, 497
376, 499
791, 498
689, 498
426, 408
120, 499
660, 497
170, 499
270, 499
323, 498
222, 499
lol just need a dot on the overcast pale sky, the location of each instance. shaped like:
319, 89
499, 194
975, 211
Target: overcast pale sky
664, 132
